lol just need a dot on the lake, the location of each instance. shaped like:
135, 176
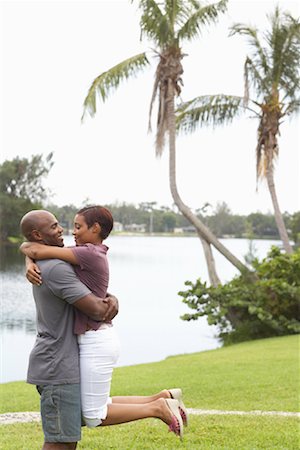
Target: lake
146, 274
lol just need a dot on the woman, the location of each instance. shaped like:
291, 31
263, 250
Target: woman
98, 343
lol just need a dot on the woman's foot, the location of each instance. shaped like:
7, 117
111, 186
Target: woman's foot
176, 425
176, 394
168, 411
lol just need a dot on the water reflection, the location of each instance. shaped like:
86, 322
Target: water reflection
17, 307
17, 304
28, 325
11, 259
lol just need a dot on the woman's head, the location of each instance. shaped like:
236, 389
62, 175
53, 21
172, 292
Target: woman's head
98, 220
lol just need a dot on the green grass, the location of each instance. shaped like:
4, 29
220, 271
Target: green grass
257, 375
204, 432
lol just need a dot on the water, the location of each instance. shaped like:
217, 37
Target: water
146, 275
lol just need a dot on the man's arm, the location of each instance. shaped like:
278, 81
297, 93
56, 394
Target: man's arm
98, 308
64, 283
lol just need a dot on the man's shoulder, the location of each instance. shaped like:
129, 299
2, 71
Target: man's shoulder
49, 265
58, 274
53, 262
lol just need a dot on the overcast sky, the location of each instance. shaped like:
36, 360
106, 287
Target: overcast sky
52, 51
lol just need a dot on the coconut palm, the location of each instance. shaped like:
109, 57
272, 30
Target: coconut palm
167, 24
272, 76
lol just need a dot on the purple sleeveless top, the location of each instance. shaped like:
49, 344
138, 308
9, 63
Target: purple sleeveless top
93, 271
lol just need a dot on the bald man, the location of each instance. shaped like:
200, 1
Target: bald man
54, 361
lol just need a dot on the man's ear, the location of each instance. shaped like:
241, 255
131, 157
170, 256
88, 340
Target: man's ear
36, 236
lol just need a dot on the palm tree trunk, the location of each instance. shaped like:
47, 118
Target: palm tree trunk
278, 216
210, 262
202, 230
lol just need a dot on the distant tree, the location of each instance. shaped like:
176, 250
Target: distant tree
21, 189
221, 219
295, 227
169, 222
65, 215
148, 207
125, 213
223, 223
272, 73
263, 225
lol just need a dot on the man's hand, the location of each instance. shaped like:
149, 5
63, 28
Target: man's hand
33, 273
113, 308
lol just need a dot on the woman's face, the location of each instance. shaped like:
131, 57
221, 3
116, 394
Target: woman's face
82, 234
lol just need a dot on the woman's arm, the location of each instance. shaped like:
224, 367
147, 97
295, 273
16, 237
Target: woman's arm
40, 251
33, 273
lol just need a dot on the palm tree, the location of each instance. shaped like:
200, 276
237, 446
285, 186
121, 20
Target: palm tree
167, 24
272, 74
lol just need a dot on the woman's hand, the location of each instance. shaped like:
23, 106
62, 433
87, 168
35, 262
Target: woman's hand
112, 309
33, 273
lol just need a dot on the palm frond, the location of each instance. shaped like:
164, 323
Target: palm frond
154, 22
178, 10
292, 108
284, 40
162, 125
259, 53
153, 97
109, 80
274, 66
253, 78
276, 37
202, 16
208, 110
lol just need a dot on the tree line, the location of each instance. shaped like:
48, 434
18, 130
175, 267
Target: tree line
163, 219
21, 189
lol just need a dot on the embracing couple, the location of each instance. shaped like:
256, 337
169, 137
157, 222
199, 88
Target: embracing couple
76, 346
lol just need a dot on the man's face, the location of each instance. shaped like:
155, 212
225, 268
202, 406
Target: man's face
50, 231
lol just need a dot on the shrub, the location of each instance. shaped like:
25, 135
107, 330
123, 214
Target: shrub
262, 304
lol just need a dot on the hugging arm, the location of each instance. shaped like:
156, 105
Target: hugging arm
40, 251
96, 308
33, 273
35, 251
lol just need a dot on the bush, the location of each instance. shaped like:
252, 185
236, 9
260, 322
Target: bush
262, 304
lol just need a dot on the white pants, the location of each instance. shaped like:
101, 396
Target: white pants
98, 352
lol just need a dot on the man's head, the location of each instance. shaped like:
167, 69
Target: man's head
42, 226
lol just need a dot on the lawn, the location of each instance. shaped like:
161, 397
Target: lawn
256, 375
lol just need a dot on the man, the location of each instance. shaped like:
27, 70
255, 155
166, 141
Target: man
53, 363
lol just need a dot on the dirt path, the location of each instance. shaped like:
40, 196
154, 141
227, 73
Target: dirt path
23, 417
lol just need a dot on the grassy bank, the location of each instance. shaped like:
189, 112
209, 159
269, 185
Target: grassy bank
257, 375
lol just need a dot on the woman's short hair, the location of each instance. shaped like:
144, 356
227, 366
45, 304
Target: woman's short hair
98, 214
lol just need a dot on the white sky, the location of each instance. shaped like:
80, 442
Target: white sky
52, 51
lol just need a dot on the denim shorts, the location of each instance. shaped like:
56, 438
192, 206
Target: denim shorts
61, 412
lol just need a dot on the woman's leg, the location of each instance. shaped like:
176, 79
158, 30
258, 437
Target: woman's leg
166, 410
140, 399
121, 413
172, 393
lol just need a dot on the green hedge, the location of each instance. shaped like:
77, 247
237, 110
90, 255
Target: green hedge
251, 307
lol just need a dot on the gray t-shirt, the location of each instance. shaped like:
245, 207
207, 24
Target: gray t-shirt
54, 357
